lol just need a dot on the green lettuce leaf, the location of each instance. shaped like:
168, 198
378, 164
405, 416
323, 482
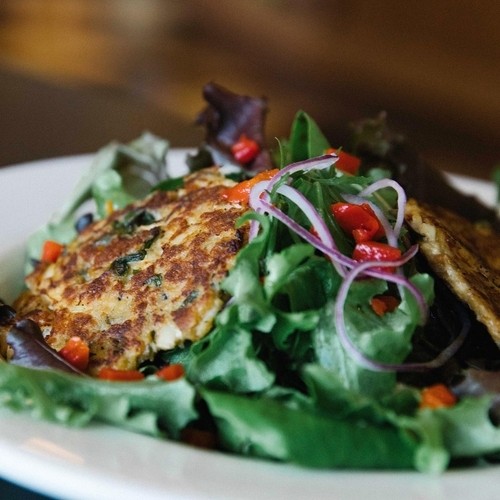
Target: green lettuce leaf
468, 429
227, 360
385, 339
264, 427
306, 139
151, 406
119, 173
397, 409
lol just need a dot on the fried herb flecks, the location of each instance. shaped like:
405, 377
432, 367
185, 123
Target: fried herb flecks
132, 220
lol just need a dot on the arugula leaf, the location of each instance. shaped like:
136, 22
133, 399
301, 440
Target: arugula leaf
243, 282
271, 295
306, 139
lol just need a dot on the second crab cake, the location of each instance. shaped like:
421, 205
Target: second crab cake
465, 255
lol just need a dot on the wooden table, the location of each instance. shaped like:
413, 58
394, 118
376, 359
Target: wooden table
112, 68
44, 120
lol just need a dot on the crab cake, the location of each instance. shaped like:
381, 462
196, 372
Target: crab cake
144, 279
465, 255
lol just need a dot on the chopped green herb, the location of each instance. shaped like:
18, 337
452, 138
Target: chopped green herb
155, 280
170, 184
133, 220
121, 266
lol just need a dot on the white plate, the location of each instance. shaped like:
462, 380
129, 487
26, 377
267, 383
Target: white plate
104, 462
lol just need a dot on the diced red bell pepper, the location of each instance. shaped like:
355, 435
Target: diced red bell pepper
347, 163
245, 150
359, 221
76, 352
382, 304
51, 251
437, 396
107, 373
240, 193
376, 251
171, 372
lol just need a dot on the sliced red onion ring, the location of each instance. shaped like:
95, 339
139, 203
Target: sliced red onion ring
318, 163
390, 183
264, 206
372, 364
260, 202
257, 191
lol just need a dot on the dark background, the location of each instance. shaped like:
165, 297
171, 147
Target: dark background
75, 74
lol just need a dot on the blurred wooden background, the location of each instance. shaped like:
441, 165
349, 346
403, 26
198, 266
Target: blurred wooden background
75, 74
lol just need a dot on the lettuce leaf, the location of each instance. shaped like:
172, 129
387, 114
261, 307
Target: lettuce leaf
151, 406
119, 173
227, 360
385, 339
263, 427
468, 429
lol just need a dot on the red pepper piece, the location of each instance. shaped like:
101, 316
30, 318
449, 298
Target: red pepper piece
171, 372
245, 150
241, 192
313, 231
347, 163
107, 373
358, 220
76, 352
382, 304
376, 251
437, 396
51, 251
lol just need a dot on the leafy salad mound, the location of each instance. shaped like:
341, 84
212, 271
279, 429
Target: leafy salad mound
300, 366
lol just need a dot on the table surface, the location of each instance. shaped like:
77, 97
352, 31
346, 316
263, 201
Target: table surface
12, 491
43, 119
111, 70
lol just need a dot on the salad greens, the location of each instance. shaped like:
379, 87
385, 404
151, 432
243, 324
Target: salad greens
120, 173
273, 379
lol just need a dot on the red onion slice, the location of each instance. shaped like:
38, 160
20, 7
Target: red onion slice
372, 364
390, 183
260, 201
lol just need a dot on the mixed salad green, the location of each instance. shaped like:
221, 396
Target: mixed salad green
299, 367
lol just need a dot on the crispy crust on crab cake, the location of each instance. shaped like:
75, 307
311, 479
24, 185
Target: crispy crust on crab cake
465, 255
144, 279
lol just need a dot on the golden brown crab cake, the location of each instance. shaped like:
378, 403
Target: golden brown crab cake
465, 255
144, 279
